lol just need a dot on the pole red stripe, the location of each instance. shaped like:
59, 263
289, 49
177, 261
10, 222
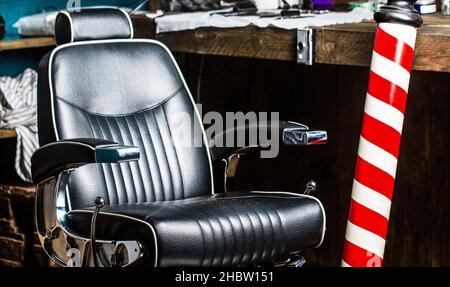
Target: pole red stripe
368, 219
381, 135
387, 92
374, 178
393, 49
356, 256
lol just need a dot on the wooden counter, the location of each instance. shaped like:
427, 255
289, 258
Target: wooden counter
345, 44
7, 133
25, 43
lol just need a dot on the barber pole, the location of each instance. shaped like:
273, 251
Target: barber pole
379, 144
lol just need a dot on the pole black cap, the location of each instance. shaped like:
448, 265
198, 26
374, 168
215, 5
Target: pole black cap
400, 12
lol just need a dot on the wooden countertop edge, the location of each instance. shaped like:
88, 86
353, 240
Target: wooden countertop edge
7, 133
343, 44
25, 43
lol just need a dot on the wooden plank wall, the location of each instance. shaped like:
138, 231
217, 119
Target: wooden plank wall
332, 98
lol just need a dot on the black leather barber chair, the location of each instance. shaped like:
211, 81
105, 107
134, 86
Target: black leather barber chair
115, 186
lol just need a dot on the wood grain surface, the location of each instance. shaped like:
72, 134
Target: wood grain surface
345, 44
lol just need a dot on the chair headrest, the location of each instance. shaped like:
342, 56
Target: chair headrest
92, 24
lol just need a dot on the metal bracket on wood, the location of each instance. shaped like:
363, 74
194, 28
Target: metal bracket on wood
305, 46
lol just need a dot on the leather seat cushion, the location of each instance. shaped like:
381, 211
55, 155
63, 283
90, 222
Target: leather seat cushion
222, 229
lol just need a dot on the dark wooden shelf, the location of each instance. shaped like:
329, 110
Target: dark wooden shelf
345, 44
25, 43
6, 133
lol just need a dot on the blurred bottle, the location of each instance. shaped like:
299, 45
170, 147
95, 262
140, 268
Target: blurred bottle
425, 6
323, 4
445, 7
266, 4
369, 5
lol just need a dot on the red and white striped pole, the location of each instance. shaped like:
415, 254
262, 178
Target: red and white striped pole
379, 144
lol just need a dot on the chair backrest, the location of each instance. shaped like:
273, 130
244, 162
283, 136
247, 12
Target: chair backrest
101, 83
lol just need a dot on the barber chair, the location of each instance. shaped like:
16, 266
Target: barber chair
115, 184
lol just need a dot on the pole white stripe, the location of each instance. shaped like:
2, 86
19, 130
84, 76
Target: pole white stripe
377, 156
345, 264
365, 239
384, 113
406, 34
389, 70
371, 199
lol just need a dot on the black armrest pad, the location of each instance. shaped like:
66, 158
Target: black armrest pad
56, 157
220, 149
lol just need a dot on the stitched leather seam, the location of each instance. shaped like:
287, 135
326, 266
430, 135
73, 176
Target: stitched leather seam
127, 165
125, 114
241, 257
207, 220
152, 145
170, 190
147, 151
143, 161
263, 233
253, 238
110, 166
224, 238
102, 166
138, 169
214, 241
234, 239
204, 242
118, 166
264, 208
283, 243
175, 151
163, 147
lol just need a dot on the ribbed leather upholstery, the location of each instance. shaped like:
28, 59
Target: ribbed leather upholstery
222, 229
131, 92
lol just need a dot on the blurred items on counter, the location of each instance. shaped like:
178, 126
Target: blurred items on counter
323, 4
445, 7
187, 21
42, 24
190, 5
425, 6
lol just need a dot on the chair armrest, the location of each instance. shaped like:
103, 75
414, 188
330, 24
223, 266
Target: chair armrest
53, 158
289, 133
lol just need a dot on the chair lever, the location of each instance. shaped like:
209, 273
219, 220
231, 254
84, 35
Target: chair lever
99, 203
311, 186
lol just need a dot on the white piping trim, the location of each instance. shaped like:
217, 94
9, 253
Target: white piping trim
130, 41
305, 196
67, 14
127, 217
129, 21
